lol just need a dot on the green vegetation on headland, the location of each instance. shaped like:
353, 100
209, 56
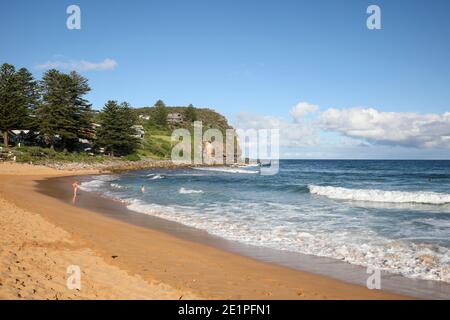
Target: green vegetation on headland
50, 120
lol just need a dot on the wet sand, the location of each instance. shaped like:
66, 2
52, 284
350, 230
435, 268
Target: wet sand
188, 268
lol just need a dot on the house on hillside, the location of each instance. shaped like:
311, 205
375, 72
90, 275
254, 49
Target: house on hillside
144, 117
174, 118
19, 136
84, 145
140, 132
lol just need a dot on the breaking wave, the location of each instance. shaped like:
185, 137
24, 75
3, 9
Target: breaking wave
155, 176
228, 170
374, 195
99, 183
189, 191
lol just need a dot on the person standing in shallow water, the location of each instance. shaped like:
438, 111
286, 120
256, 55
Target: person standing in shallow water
142, 188
75, 187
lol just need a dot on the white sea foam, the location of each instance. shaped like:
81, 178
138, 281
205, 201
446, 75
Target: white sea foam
98, 184
365, 248
156, 177
227, 170
93, 185
250, 165
374, 195
189, 191
117, 186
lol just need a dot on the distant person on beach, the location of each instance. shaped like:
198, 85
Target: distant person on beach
142, 188
75, 187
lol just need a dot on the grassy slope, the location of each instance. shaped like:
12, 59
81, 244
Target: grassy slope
157, 141
156, 144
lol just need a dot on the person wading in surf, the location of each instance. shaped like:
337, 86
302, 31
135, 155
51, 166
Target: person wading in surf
75, 187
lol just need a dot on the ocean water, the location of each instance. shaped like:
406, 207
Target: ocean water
390, 215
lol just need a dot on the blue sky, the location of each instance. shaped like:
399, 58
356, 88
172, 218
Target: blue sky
258, 60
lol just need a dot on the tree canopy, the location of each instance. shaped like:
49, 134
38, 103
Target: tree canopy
116, 133
160, 114
18, 96
190, 114
64, 112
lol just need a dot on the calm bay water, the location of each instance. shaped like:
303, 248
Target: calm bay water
392, 215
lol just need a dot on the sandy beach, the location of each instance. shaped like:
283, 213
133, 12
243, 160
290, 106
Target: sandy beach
41, 236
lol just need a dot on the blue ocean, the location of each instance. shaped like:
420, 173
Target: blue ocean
391, 215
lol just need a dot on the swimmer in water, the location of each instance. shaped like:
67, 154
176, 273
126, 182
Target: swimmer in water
142, 188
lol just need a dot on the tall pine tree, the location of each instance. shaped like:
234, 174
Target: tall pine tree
116, 133
29, 97
160, 114
17, 97
83, 113
190, 114
64, 112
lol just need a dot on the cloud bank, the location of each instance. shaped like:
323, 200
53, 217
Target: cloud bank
358, 127
406, 129
292, 134
302, 109
78, 65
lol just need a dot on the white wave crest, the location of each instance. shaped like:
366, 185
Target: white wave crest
93, 185
228, 170
374, 195
97, 184
117, 186
156, 176
250, 165
188, 191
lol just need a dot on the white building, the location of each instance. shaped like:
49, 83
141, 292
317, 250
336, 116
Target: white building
174, 117
144, 117
140, 132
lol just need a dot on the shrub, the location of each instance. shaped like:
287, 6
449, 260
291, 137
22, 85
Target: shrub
133, 157
24, 158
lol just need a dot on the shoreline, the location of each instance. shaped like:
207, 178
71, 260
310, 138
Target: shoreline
35, 254
321, 266
186, 266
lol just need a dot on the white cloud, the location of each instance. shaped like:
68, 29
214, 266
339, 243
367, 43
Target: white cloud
389, 128
302, 109
359, 127
291, 134
79, 65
